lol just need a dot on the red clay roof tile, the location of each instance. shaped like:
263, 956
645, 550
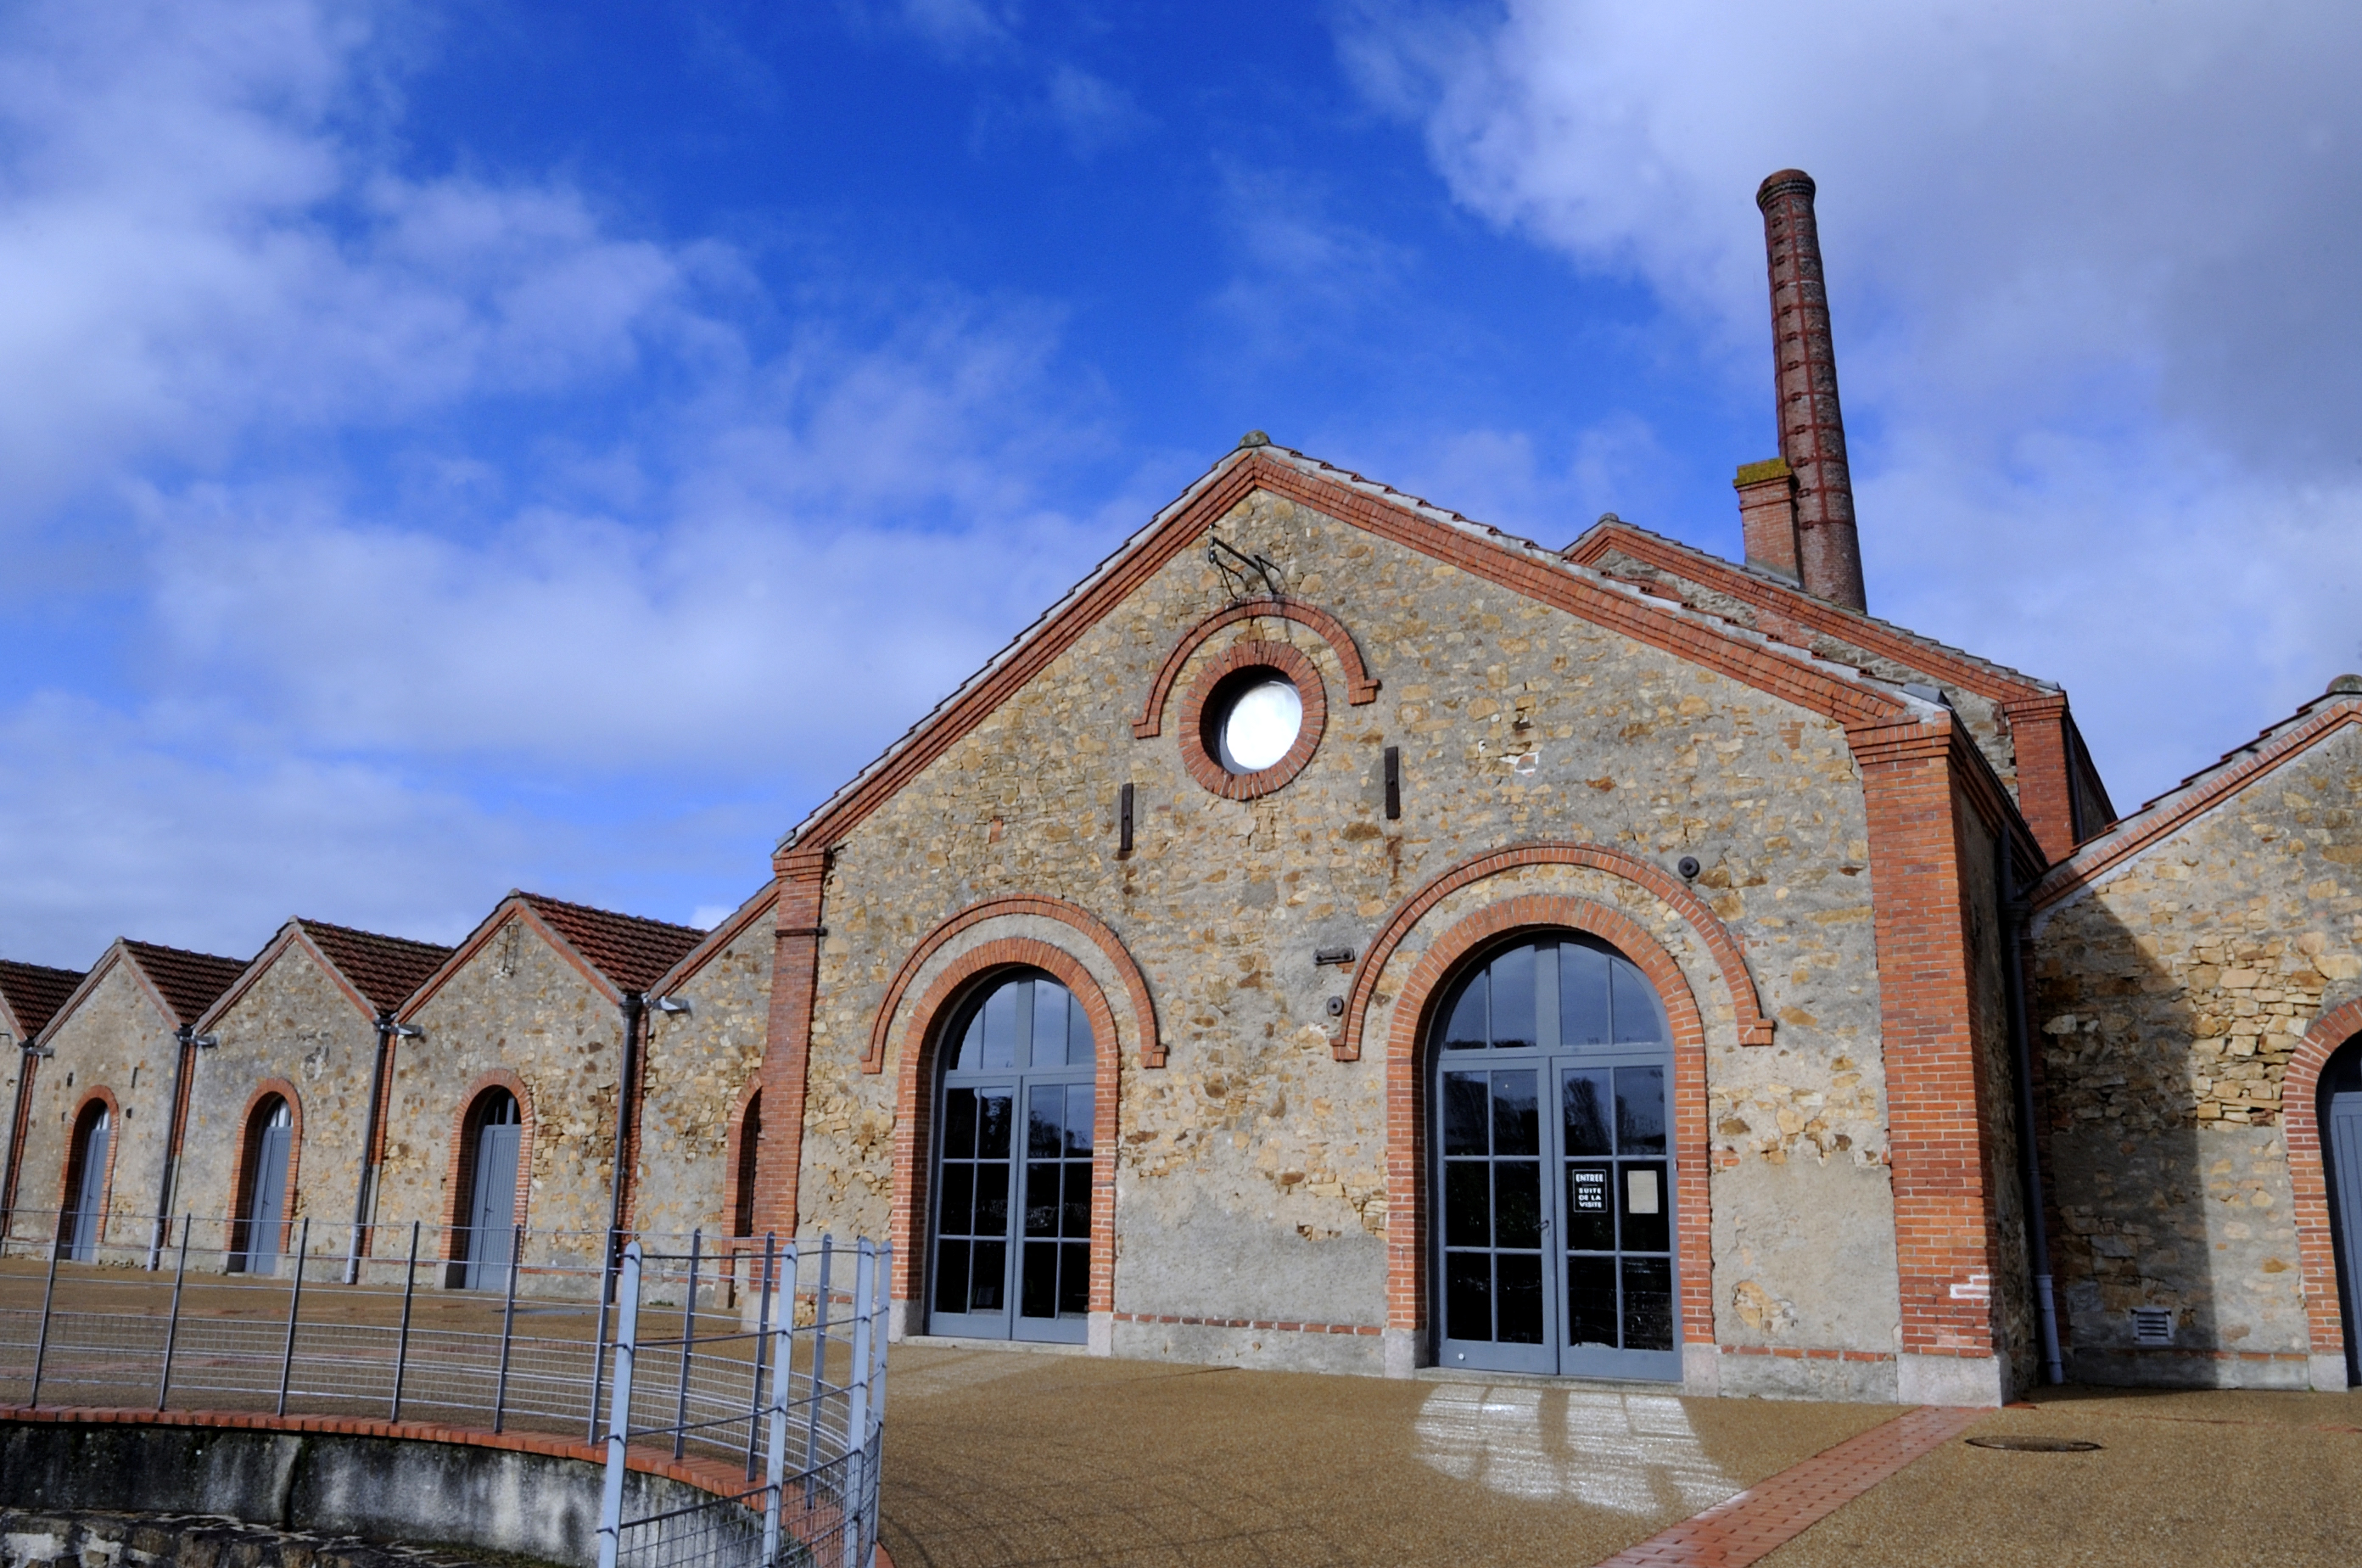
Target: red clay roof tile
632, 951
385, 969
34, 993
189, 982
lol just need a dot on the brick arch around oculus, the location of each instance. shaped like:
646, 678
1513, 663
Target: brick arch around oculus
1754, 1027
1407, 1106
914, 1104
242, 1177
1361, 686
460, 1170
2308, 1176
1135, 984
69, 1168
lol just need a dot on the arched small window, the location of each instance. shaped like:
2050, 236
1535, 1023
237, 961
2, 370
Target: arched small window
262, 1178
489, 1146
750, 1145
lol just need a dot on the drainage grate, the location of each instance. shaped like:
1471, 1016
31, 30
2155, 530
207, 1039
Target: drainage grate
2152, 1326
2035, 1444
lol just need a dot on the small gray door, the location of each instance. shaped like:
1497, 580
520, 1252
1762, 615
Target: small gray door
266, 1208
88, 1216
2345, 1127
491, 1210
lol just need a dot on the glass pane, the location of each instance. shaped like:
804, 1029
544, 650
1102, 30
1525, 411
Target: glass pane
1074, 1278
1581, 995
1648, 1304
1467, 1204
1521, 1298
992, 1123
951, 1276
1465, 1105
1041, 1199
991, 1201
1468, 1295
1050, 1000
1648, 1220
971, 1049
1078, 1205
1466, 1030
958, 1204
1517, 1126
959, 1124
988, 1276
1586, 1096
1078, 1037
1512, 976
1517, 1203
1037, 1291
1590, 1209
1640, 1016
999, 1020
1043, 1108
1078, 1118
1591, 1301
1640, 1111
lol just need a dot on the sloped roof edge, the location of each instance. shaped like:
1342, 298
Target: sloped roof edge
719, 938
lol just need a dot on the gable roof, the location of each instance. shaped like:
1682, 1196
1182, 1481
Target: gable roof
31, 995
185, 982
2201, 793
1838, 691
764, 899
616, 952
375, 972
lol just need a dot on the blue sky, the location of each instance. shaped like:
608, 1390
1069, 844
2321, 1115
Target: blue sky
461, 448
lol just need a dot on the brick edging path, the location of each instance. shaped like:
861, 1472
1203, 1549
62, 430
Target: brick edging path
1775, 1511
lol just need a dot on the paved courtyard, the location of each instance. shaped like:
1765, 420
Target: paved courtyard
1000, 1457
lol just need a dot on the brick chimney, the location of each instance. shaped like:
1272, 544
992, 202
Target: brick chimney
1797, 512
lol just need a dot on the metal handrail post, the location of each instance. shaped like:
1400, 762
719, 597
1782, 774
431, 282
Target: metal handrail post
599, 1343
508, 1328
783, 1360
41, 1340
856, 1408
619, 1417
401, 1344
762, 1345
172, 1323
295, 1307
819, 1361
880, 1307
688, 1338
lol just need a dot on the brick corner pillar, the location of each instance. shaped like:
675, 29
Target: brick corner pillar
787, 1050
1812, 426
1767, 516
1946, 1226
2044, 765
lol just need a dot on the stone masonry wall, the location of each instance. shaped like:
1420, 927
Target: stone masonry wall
2169, 997
1252, 1177
118, 1040
518, 1007
297, 1025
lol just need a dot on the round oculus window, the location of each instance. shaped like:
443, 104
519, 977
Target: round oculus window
1256, 721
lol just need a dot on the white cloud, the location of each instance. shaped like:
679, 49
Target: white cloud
2089, 266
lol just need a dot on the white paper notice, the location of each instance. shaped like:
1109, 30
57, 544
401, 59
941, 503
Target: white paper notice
1640, 1192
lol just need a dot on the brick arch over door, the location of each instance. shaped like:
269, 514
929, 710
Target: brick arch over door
1754, 1028
98, 1094
1361, 686
2300, 1117
1407, 1178
463, 1158
915, 1105
242, 1178
1135, 984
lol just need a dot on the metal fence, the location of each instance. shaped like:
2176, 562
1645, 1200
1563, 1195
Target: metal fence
756, 1355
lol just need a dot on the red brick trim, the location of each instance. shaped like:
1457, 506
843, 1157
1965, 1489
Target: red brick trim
914, 1101
786, 1051
98, 1094
2316, 1246
1754, 1028
1406, 1062
1361, 686
2163, 817
459, 1169
2046, 786
1135, 984
1207, 769
242, 1178
1366, 1330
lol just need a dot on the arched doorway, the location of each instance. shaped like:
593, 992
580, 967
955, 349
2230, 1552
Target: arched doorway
269, 1137
2341, 1129
750, 1149
489, 1141
1014, 1114
1549, 1067
83, 1224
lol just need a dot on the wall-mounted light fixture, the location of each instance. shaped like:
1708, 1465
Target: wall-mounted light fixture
672, 1004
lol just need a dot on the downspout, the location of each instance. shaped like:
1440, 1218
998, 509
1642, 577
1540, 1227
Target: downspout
28, 1062
186, 1035
635, 1005
366, 1191
2029, 1154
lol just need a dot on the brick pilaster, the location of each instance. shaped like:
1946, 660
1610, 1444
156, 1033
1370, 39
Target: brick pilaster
2046, 786
786, 1051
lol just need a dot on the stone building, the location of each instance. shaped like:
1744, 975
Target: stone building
31, 995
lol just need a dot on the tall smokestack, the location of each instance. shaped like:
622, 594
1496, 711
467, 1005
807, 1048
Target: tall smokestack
1828, 554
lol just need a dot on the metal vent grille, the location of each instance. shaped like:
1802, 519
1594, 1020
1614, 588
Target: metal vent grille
2152, 1326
